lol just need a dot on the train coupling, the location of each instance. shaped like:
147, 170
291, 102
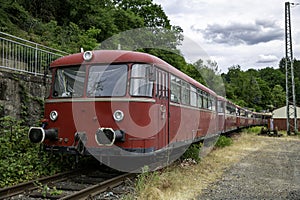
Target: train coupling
38, 134
107, 136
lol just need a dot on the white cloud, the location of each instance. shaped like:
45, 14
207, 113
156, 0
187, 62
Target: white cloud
260, 31
249, 33
267, 58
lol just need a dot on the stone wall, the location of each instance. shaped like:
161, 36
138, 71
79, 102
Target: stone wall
22, 96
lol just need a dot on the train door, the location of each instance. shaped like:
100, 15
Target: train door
162, 99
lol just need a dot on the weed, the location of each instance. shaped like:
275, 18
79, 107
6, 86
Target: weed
192, 152
223, 141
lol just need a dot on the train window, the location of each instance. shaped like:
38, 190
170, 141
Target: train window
220, 106
107, 80
175, 89
193, 96
213, 103
205, 100
185, 93
140, 82
230, 109
210, 103
69, 82
200, 99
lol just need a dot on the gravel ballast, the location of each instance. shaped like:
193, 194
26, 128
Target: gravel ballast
270, 172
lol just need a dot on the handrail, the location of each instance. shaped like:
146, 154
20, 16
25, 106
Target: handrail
22, 55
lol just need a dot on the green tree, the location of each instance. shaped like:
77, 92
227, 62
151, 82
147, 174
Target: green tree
210, 73
278, 96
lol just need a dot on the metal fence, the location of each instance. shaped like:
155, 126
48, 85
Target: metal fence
22, 55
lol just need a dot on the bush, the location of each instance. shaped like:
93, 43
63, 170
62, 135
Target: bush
223, 141
254, 129
21, 160
192, 152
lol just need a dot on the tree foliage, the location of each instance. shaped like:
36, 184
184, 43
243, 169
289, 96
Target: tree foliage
71, 24
139, 25
259, 89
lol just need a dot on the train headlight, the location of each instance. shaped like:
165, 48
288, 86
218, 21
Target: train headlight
53, 115
88, 55
118, 115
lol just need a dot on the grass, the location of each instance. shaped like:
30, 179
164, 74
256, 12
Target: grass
187, 181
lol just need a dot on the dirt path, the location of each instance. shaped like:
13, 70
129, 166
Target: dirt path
270, 172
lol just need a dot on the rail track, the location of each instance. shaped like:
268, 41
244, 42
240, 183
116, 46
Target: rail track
78, 184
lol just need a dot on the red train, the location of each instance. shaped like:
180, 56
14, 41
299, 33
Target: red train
123, 104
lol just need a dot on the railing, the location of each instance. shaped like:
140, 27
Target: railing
22, 55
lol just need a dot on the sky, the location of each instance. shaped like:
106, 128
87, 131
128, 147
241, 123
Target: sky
249, 33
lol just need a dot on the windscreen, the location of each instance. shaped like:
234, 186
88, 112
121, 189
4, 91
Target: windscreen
107, 80
69, 82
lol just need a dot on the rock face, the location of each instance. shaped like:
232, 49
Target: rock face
22, 95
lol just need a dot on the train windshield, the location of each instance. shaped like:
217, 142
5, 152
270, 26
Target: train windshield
69, 82
107, 80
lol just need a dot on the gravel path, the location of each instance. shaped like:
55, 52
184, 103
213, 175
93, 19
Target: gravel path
272, 172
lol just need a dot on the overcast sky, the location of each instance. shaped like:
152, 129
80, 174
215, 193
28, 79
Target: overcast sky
249, 33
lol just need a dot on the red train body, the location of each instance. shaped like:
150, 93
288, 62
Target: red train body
131, 100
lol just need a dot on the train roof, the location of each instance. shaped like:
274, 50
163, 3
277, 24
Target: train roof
121, 56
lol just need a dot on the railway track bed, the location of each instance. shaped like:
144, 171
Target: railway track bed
69, 185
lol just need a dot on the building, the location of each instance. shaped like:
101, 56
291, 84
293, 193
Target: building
279, 118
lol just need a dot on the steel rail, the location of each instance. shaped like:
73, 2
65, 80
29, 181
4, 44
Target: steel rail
19, 188
99, 188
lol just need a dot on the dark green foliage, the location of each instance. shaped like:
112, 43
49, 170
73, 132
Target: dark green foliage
71, 24
192, 152
21, 160
223, 141
262, 89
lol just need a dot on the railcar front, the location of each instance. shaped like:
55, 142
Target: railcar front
104, 99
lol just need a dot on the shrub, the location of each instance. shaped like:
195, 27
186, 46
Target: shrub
223, 141
21, 160
192, 152
255, 129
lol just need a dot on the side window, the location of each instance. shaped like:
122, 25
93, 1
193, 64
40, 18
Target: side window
213, 103
200, 99
193, 96
220, 106
175, 89
185, 93
205, 100
210, 105
140, 82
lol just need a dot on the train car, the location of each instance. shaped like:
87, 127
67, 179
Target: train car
221, 114
230, 117
113, 102
134, 101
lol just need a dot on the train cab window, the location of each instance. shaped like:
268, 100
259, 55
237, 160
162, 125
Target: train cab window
69, 82
107, 80
175, 89
141, 83
193, 96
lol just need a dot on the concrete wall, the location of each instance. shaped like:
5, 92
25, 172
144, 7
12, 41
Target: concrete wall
22, 96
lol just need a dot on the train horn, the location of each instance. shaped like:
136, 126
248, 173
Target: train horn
38, 134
